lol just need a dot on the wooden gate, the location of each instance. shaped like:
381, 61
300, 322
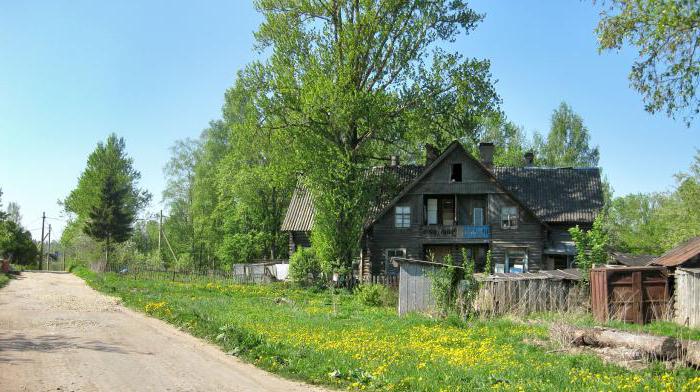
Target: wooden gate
630, 294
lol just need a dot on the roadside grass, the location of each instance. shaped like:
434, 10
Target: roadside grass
330, 338
661, 328
4, 279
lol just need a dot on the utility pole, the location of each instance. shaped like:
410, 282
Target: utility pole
49, 252
41, 251
160, 234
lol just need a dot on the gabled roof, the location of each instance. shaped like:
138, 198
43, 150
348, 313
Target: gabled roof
300, 213
680, 254
552, 195
555, 195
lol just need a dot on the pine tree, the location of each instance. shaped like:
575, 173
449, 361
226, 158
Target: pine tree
111, 218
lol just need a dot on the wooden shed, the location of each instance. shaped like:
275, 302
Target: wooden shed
630, 294
687, 295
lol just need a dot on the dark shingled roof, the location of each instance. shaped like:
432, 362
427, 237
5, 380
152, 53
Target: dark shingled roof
633, 260
555, 195
300, 214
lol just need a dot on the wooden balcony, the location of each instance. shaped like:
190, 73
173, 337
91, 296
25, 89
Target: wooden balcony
456, 231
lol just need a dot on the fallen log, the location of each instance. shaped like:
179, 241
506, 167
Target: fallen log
663, 347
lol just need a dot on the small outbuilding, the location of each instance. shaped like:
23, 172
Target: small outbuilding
631, 260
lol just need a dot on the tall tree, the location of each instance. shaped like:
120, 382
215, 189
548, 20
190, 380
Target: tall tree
667, 35
179, 197
568, 141
107, 196
110, 220
13, 213
347, 81
509, 140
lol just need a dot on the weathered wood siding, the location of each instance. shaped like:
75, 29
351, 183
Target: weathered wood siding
687, 293
383, 235
414, 288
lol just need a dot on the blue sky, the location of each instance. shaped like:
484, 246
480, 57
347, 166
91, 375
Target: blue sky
71, 72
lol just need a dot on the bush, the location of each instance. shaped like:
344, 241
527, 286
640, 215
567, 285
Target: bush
304, 266
375, 295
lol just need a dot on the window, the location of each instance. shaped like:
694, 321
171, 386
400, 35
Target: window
509, 217
403, 217
432, 211
516, 260
456, 175
389, 267
478, 217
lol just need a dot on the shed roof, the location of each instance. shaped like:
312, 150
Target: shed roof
631, 260
555, 195
300, 213
680, 254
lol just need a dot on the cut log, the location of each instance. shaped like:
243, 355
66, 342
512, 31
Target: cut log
655, 346
692, 352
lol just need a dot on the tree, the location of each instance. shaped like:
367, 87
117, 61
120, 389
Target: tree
13, 213
347, 81
567, 143
107, 198
591, 246
16, 243
634, 224
179, 197
667, 36
111, 218
510, 142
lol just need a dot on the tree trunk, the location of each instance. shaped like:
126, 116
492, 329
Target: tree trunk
655, 346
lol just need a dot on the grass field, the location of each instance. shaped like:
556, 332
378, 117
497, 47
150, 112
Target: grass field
329, 338
4, 278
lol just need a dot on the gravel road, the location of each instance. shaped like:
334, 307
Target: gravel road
58, 334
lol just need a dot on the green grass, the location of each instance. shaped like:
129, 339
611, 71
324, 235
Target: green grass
332, 339
4, 278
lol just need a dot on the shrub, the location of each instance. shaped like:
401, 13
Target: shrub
304, 266
375, 295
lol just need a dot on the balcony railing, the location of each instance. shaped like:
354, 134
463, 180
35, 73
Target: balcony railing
456, 231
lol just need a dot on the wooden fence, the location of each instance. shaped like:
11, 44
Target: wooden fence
239, 273
501, 293
687, 297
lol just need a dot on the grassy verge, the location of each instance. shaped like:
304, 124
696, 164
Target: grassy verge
662, 328
330, 339
4, 278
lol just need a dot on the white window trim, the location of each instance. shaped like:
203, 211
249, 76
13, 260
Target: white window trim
403, 215
427, 211
526, 266
517, 218
387, 260
474, 216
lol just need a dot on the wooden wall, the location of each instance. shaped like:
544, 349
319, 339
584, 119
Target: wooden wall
687, 297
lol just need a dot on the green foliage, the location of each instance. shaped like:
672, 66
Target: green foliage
489, 263
567, 143
654, 223
443, 286
375, 295
346, 82
106, 199
469, 286
666, 35
16, 243
591, 246
304, 266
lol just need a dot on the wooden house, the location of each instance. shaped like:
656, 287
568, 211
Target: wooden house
456, 203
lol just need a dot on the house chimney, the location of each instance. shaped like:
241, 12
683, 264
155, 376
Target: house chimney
486, 153
394, 160
529, 159
431, 154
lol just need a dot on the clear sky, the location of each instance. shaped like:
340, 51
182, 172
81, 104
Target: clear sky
71, 72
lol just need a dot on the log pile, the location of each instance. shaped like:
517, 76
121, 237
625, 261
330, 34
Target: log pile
634, 344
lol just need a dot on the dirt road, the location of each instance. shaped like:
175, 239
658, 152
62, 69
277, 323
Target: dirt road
57, 334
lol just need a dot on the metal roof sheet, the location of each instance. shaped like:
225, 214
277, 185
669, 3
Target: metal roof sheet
680, 254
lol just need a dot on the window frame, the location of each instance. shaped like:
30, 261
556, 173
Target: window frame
481, 211
509, 221
526, 259
456, 168
402, 220
427, 211
387, 260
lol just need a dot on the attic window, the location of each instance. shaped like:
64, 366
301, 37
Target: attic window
456, 175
